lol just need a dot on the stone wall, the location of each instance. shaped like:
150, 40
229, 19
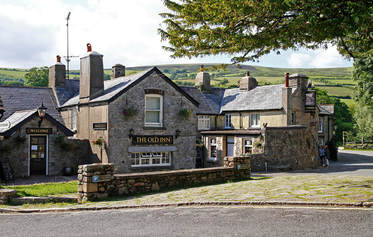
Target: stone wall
286, 148
97, 181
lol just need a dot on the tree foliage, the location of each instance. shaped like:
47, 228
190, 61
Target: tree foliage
342, 115
249, 29
363, 75
37, 77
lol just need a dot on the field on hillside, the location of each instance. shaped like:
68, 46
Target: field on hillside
336, 81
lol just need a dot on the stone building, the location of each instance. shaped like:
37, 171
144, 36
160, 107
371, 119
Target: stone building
232, 122
139, 122
145, 122
31, 144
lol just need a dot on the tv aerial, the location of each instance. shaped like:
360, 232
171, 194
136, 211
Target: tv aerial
68, 56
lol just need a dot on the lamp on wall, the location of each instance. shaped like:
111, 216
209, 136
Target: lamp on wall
177, 133
41, 111
131, 133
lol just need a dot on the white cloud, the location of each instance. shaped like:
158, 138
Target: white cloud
298, 59
327, 58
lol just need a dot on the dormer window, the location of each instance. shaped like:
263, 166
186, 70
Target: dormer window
153, 110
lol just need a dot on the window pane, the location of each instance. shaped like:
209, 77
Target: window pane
152, 117
153, 103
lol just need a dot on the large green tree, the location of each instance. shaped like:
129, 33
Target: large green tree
37, 76
249, 29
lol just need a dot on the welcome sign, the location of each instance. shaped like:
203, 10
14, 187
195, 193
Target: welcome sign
153, 140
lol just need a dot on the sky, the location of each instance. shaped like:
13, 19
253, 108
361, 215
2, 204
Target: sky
33, 32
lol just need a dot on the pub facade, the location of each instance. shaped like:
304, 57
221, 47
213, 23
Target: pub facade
140, 122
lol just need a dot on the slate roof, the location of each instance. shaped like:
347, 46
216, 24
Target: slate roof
15, 119
209, 103
18, 118
115, 87
70, 90
259, 98
28, 98
327, 109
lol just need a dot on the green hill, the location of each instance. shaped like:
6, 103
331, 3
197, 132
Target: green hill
336, 81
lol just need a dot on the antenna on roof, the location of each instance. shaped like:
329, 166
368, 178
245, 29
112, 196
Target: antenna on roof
67, 57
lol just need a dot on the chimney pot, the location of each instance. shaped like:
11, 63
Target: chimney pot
286, 79
89, 47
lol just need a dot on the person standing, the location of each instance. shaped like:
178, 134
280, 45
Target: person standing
321, 155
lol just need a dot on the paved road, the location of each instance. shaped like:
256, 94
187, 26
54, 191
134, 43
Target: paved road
349, 163
211, 221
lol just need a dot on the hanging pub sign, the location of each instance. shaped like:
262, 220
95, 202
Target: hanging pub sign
39, 130
99, 126
153, 140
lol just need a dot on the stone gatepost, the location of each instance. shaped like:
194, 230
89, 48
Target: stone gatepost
6, 195
241, 165
95, 181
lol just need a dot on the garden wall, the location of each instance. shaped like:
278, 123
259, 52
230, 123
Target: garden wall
286, 148
98, 181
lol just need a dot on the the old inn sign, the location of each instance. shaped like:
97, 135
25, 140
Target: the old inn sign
152, 140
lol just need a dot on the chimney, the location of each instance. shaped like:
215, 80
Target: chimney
2, 110
286, 79
247, 82
57, 74
202, 79
118, 70
298, 81
91, 75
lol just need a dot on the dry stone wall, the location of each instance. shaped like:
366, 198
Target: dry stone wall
286, 148
97, 181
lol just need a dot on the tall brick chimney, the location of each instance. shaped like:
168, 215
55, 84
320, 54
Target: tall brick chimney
247, 82
91, 75
202, 79
118, 70
57, 74
299, 81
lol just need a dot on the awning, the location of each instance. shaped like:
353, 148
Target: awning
151, 148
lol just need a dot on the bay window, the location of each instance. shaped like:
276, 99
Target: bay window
140, 159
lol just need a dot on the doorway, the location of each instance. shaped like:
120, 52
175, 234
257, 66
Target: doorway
38, 155
230, 146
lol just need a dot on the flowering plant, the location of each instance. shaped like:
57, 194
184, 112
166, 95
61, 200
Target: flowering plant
99, 141
185, 113
129, 112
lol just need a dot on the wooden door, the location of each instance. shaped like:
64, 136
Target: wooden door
38, 155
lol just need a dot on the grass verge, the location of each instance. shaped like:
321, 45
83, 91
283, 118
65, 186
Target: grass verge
45, 189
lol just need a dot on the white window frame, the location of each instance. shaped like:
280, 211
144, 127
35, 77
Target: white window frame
149, 124
228, 121
247, 145
203, 122
213, 142
321, 126
254, 120
139, 159
74, 118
